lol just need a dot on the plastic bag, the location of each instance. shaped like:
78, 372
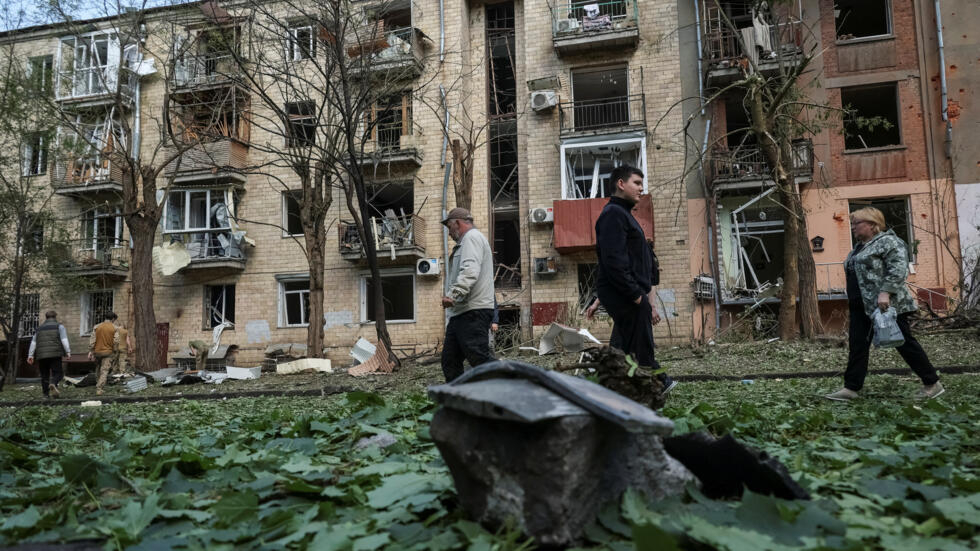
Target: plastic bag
887, 332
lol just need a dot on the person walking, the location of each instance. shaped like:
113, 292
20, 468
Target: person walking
471, 297
102, 349
49, 344
627, 272
125, 348
876, 270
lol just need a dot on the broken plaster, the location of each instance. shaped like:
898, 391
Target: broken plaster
257, 331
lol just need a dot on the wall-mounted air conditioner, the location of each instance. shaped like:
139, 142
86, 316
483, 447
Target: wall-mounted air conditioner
427, 267
543, 100
566, 25
541, 215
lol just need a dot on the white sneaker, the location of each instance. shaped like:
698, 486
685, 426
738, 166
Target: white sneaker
930, 392
842, 395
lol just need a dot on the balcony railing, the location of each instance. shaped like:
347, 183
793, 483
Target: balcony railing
763, 44
88, 173
213, 246
215, 160
748, 163
603, 115
93, 83
584, 24
831, 280
202, 70
100, 256
393, 237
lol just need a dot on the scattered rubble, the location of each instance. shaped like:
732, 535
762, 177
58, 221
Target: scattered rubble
306, 364
571, 339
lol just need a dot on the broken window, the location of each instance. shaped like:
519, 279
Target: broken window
301, 42
33, 241
41, 72
872, 116
294, 302
292, 224
898, 218
95, 306
219, 305
586, 166
504, 169
201, 219
392, 117
862, 18
391, 199
588, 275
398, 294
752, 249
210, 114
35, 155
601, 97
301, 130
101, 229
507, 249
501, 69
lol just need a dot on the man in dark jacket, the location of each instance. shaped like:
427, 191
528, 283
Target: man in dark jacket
627, 273
49, 344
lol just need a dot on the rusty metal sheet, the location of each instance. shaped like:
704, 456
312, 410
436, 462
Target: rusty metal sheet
594, 398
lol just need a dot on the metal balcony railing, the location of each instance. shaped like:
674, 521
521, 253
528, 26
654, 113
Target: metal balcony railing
831, 279
102, 254
213, 245
607, 114
96, 82
199, 70
748, 162
723, 45
586, 17
392, 234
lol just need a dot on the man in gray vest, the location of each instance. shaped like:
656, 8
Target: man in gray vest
471, 301
49, 344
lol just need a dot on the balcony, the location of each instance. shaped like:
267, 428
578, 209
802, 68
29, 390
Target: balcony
395, 54
87, 175
217, 249
586, 26
96, 86
202, 71
575, 222
100, 257
603, 116
394, 237
215, 162
768, 47
746, 166
392, 148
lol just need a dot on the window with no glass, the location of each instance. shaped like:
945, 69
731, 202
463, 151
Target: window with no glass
862, 18
301, 131
398, 295
294, 302
871, 118
292, 224
219, 305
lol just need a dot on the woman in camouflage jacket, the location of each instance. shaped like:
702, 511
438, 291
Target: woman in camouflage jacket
876, 270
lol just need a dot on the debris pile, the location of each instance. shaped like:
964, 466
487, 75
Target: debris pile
278, 353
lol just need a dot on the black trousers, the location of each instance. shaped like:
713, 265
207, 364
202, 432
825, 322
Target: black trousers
51, 374
633, 331
859, 344
466, 339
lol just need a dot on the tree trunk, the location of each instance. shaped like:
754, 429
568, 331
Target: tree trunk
463, 174
16, 313
142, 232
810, 323
791, 274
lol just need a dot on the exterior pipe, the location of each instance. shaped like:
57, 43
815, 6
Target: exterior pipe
445, 126
715, 274
442, 31
445, 230
942, 81
697, 18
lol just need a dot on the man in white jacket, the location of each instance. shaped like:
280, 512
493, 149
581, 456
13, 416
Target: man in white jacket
471, 300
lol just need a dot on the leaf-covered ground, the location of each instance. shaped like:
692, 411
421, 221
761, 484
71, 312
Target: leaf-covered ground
280, 473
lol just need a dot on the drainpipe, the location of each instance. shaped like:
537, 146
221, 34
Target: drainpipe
715, 274
697, 17
442, 31
942, 81
445, 230
136, 119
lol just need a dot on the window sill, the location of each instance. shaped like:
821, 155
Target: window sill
875, 149
390, 322
292, 235
865, 39
303, 326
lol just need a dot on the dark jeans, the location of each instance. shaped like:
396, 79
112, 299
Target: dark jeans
859, 343
50, 369
466, 338
633, 333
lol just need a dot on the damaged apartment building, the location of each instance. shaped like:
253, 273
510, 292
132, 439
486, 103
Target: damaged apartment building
544, 100
875, 58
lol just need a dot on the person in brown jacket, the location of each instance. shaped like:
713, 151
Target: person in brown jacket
102, 347
124, 349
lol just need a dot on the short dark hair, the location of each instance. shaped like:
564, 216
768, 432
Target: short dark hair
624, 172
110, 316
50, 315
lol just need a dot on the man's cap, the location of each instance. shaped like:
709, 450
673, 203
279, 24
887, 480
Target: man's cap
458, 213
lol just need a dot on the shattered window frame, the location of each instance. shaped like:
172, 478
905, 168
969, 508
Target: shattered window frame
227, 307
846, 24
882, 91
35, 159
906, 232
285, 296
366, 312
617, 146
186, 206
289, 198
94, 306
301, 41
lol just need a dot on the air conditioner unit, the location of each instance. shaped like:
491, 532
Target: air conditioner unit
543, 100
566, 25
542, 215
546, 265
427, 267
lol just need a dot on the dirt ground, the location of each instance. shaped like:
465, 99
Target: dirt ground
947, 349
